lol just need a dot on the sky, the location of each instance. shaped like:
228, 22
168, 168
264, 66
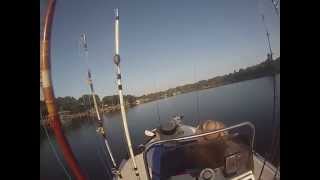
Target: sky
163, 43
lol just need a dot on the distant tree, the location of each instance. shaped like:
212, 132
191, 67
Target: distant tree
87, 100
132, 99
114, 99
69, 103
111, 100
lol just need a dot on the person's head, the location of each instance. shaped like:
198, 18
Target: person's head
210, 148
209, 126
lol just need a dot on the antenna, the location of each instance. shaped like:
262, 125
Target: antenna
123, 112
100, 130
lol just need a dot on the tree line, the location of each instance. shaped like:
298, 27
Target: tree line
266, 68
85, 102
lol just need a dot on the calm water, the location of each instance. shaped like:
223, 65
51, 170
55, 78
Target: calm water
245, 101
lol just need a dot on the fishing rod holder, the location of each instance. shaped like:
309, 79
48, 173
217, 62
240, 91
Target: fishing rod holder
100, 130
116, 172
116, 59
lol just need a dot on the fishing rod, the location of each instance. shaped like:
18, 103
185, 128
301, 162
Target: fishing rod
123, 112
48, 94
270, 59
270, 55
276, 5
100, 129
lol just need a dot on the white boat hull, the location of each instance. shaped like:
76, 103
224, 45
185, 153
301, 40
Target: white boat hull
269, 171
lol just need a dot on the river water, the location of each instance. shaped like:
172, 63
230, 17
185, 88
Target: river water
244, 101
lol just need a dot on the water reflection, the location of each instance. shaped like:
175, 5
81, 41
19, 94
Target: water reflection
245, 101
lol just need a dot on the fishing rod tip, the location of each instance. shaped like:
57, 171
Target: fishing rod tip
83, 36
116, 11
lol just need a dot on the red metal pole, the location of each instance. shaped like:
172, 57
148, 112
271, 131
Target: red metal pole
49, 98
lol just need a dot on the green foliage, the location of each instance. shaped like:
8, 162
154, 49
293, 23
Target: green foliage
69, 103
111, 100
86, 100
130, 99
266, 68
85, 103
114, 100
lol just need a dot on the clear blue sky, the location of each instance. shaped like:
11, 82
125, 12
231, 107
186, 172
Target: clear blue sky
163, 43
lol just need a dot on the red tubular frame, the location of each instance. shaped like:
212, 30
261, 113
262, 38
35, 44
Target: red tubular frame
49, 98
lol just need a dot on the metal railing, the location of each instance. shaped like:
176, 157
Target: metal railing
148, 147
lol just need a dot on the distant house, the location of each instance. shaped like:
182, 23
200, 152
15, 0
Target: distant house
138, 101
176, 93
107, 108
64, 112
64, 115
143, 100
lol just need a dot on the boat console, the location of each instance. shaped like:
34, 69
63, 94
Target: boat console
203, 156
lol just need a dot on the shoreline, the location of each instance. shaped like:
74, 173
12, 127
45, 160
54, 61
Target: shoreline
264, 69
206, 88
67, 119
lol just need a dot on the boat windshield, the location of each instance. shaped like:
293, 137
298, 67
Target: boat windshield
226, 153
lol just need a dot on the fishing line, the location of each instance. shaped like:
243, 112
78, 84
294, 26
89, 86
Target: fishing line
100, 155
278, 169
95, 130
83, 44
55, 153
270, 59
196, 93
276, 6
52, 146
104, 151
275, 145
158, 114
49, 140
105, 163
87, 100
157, 104
172, 110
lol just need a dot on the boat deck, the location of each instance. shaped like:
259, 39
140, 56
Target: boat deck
127, 171
268, 171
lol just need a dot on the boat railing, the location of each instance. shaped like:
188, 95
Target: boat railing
186, 138
249, 124
268, 164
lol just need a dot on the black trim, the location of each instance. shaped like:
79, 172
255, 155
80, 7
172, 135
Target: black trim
120, 87
118, 76
100, 123
168, 128
136, 169
116, 59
